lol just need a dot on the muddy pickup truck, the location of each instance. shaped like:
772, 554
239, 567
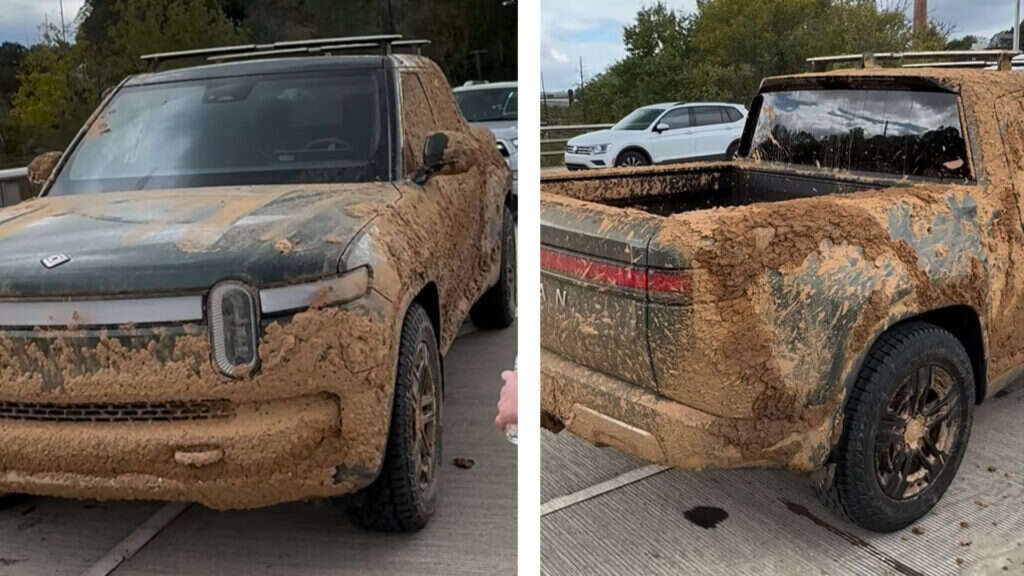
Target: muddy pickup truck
835, 301
240, 281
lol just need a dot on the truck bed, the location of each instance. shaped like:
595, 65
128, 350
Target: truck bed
678, 189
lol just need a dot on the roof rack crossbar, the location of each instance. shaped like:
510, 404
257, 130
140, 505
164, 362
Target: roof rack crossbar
316, 50
384, 41
951, 58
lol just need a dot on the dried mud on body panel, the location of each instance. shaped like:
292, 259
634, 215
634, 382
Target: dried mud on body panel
788, 296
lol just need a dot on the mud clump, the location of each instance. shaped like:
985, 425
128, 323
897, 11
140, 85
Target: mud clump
464, 463
283, 246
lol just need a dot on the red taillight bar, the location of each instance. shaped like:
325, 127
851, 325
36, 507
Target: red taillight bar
614, 274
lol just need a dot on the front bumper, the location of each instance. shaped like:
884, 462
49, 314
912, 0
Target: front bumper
586, 161
268, 452
610, 412
312, 422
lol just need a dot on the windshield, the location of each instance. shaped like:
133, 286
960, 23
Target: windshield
489, 105
251, 130
639, 119
885, 131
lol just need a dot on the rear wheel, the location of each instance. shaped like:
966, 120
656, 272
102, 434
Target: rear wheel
732, 151
496, 309
907, 423
632, 158
402, 498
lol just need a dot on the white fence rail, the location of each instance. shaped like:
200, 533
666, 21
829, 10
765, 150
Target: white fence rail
13, 186
550, 136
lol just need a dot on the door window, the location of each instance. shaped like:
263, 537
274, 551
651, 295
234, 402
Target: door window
417, 121
676, 119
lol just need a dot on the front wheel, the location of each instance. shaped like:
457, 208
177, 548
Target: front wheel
632, 158
907, 423
402, 498
496, 309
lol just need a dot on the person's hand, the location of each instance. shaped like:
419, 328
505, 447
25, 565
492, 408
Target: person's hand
507, 403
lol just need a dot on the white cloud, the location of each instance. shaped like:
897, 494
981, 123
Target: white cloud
558, 56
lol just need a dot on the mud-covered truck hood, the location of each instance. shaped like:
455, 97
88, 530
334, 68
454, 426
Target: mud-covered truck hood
181, 240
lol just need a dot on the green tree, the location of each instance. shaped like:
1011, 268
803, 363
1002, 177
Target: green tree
963, 43
725, 49
146, 26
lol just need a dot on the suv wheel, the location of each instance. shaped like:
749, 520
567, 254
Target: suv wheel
732, 151
402, 498
908, 420
497, 308
632, 158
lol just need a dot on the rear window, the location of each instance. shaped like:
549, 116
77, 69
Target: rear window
900, 132
252, 130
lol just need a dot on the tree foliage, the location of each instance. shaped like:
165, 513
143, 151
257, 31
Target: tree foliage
726, 47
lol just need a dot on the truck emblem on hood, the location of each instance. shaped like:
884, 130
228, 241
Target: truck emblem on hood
51, 262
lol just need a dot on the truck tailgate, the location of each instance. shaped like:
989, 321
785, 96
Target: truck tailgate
594, 281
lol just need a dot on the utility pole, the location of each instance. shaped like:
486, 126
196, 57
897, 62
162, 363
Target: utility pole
1016, 29
920, 17
479, 70
63, 29
544, 98
583, 101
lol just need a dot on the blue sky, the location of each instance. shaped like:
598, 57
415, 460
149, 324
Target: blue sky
591, 29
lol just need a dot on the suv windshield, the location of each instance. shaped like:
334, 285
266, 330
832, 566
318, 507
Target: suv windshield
884, 131
639, 119
489, 105
251, 130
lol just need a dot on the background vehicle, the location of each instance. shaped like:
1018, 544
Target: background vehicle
836, 301
660, 134
495, 107
240, 281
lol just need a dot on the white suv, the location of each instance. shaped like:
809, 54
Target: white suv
660, 133
494, 106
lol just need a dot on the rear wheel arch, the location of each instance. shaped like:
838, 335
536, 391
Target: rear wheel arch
962, 321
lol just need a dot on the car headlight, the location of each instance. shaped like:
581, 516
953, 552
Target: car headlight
515, 143
234, 328
344, 288
599, 149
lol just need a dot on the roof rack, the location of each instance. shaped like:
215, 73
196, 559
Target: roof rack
317, 50
953, 58
383, 41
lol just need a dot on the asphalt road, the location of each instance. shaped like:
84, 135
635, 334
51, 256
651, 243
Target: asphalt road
473, 531
610, 514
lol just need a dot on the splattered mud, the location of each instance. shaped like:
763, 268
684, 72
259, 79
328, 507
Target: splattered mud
780, 299
312, 420
707, 517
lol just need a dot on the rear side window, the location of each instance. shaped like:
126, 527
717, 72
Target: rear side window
900, 132
733, 114
708, 116
679, 118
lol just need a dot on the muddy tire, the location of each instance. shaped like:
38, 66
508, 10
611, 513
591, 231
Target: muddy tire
497, 308
632, 158
402, 498
907, 423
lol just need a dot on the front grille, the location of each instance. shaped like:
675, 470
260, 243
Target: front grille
135, 412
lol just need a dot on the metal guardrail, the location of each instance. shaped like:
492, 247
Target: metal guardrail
572, 130
14, 186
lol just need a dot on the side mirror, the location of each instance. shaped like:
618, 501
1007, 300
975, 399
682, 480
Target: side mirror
661, 127
40, 170
446, 153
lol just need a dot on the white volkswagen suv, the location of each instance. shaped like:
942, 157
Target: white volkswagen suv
495, 106
661, 133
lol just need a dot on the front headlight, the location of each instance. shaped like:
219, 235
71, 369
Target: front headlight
599, 149
234, 328
344, 288
515, 143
